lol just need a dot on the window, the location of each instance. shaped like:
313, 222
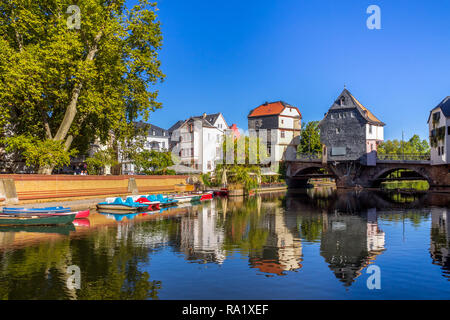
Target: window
154, 133
342, 101
439, 151
209, 165
331, 116
370, 129
282, 133
282, 121
338, 130
442, 151
352, 114
163, 144
192, 151
448, 131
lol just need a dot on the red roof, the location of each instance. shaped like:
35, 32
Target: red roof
272, 108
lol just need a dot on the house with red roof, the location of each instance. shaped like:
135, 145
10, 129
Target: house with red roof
283, 124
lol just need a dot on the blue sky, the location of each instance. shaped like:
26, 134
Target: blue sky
230, 56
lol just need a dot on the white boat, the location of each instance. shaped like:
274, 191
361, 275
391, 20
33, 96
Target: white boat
186, 198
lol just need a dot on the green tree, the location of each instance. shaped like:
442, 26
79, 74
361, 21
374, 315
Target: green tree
153, 162
100, 160
412, 146
310, 139
73, 85
245, 167
40, 153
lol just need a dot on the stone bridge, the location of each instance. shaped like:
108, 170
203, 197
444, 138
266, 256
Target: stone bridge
349, 174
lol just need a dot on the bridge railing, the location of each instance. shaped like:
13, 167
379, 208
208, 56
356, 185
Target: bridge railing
307, 157
404, 157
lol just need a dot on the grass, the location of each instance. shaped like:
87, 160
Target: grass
411, 184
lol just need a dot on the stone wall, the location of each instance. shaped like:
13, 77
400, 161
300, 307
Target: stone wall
62, 187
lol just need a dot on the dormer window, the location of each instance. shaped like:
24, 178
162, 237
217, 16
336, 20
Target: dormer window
342, 101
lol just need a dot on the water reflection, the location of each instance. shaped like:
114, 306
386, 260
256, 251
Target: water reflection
440, 239
350, 242
269, 233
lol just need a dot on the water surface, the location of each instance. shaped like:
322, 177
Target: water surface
315, 244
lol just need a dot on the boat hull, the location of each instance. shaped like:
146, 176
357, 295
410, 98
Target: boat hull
37, 220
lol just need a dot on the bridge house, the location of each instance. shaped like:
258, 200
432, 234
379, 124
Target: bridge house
350, 131
439, 128
282, 122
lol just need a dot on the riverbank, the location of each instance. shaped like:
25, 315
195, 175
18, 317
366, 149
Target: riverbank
34, 188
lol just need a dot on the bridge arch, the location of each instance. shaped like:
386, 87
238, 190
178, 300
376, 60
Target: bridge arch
420, 174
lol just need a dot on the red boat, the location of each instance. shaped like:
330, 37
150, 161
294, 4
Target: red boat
207, 196
222, 192
82, 214
152, 205
81, 223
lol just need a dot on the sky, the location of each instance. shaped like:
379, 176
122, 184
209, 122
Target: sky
231, 56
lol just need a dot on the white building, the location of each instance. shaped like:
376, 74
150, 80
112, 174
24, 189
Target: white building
283, 124
198, 141
155, 138
439, 128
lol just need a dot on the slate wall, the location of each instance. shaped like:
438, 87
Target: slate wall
351, 136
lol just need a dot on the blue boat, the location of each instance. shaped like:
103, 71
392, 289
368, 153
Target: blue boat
164, 201
36, 210
119, 205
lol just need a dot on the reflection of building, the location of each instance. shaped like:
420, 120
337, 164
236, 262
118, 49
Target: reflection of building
350, 243
440, 238
282, 250
201, 238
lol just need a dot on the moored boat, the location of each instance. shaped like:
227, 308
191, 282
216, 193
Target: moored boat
119, 205
36, 210
37, 219
44, 211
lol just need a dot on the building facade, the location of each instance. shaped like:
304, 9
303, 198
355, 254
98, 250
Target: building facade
155, 138
350, 131
198, 141
283, 124
439, 128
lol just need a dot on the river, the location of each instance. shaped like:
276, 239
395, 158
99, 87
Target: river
304, 244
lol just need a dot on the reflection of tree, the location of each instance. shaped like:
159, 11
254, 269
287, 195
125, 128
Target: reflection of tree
109, 269
310, 226
243, 228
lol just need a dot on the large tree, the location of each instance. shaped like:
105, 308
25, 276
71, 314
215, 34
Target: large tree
70, 85
310, 139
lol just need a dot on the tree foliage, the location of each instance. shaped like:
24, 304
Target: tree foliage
151, 162
40, 153
310, 138
75, 85
100, 160
244, 168
412, 146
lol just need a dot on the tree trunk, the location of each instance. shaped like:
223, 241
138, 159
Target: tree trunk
71, 110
